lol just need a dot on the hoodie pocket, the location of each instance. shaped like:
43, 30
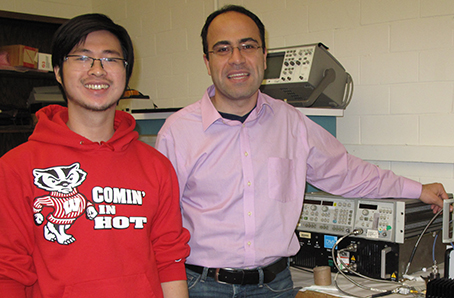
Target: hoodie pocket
281, 179
133, 286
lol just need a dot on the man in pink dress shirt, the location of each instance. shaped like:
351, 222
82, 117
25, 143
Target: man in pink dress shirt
243, 159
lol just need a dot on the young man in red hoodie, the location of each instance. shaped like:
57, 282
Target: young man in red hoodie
87, 210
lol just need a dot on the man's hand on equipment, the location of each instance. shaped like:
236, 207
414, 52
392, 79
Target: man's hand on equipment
434, 194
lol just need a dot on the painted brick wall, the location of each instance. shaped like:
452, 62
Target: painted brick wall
399, 53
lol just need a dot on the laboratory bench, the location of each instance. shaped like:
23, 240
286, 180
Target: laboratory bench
305, 280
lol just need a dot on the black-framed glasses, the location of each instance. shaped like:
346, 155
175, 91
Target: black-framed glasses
82, 62
227, 50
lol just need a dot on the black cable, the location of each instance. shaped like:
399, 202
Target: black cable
382, 294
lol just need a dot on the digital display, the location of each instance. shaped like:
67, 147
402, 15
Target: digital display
368, 206
313, 202
328, 203
273, 65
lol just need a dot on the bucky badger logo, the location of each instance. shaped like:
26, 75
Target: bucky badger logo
67, 202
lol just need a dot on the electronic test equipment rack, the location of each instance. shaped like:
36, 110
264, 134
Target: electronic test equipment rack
390, 229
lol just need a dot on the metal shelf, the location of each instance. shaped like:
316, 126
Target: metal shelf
27, 74
16, 129
164, 113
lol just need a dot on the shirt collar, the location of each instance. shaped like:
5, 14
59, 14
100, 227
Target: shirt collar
209, 112
211, 115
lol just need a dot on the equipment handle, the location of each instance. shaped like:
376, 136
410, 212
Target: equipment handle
447, 218
328, 78
384, 252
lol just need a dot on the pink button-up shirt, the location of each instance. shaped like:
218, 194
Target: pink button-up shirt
242, 184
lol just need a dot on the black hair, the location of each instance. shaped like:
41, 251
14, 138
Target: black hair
75, 31
235, 8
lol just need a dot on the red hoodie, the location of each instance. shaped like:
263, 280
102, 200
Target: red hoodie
86, 219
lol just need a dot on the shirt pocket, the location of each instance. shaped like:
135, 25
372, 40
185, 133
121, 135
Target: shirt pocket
281, 179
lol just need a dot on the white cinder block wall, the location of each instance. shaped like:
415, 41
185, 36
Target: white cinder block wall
399, 53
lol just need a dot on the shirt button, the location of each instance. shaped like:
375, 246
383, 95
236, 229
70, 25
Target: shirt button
249, 183
246, 154
249, 243
249, 213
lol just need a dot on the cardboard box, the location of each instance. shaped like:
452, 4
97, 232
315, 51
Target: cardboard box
20, 55
45, 62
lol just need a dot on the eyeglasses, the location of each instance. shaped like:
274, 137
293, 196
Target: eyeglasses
82, 62
227, 50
